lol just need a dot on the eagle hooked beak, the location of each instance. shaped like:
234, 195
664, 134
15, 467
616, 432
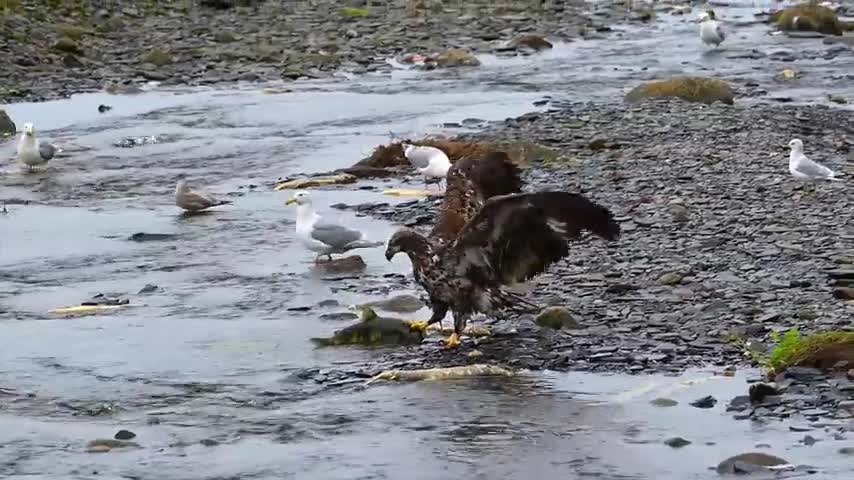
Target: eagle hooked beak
390, 252
291, 201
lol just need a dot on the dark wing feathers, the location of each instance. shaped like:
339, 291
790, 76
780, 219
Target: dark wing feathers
515, 237
470, 182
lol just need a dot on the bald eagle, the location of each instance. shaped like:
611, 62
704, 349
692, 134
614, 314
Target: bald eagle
512, 238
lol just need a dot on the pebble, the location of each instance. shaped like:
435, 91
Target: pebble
124, 435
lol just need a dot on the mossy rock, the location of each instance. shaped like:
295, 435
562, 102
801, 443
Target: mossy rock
556, 318
354, 12
534, 42
158, 58
224, 37
809, 17
456, 57
72, 31
821, 350
7, 126
67, 45
690, 89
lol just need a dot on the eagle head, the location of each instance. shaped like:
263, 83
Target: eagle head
408, 242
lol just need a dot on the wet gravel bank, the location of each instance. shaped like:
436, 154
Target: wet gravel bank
55, 52
720, 245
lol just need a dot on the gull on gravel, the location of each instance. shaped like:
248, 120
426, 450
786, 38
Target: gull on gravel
31, 151
711, 32
805, 169
195, 200
324, 237
431, 162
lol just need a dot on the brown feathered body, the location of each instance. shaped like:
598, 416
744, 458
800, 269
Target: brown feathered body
470, 182
510, 239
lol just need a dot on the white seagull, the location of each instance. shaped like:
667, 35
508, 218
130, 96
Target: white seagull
323, 237
33, 153
430, 161
195, 200
805, 169
711, 32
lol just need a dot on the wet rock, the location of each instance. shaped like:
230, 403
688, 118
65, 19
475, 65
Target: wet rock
758, 392
398, 304
533, 42
71, 61
664, 402
706, 402
148, 288
787, 74
809, 440
124, 435
152, 420
151, 237
308, 182
556, 318
67, 45
104, 108
456, 57
749, 463
690, 89
843, 293
158, 58
351, 264
677, 442
7, 126
208, 442
103, 445
846, 451
670, 278
339, 316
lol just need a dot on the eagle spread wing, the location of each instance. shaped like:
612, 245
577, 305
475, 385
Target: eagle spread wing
515, 237
470, 182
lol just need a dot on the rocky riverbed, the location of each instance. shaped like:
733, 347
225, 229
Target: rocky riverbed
720, 245
52, 50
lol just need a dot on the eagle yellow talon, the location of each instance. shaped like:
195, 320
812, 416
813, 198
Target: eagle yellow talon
420, 325
453, 341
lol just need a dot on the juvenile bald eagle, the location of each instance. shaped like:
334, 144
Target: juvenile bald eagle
511, 239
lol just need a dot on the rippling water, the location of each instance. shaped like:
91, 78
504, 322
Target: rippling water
216, 355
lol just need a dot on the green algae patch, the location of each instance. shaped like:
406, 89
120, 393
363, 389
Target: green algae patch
820, 350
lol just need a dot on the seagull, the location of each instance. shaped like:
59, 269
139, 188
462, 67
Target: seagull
711, 32
195, 200
805, 169
430, 161
32, 152
323, 237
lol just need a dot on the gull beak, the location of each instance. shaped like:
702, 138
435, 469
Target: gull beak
291, 201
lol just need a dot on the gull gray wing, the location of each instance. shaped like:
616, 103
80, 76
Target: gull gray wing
813, 170
46, 151
334, 235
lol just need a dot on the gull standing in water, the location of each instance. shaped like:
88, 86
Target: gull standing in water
195, 200
711, 32
430, 161
32, 152
323, 237
805, 169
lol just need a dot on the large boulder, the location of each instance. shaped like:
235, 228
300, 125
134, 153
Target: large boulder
690, 89
809, 17
534, 42
7, 126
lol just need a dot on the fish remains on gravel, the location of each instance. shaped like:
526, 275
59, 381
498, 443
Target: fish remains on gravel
31, 151
431, 162
323, 237
511, 239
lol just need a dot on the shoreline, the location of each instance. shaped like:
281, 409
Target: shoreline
119, 49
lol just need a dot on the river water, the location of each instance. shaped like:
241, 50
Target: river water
215, 374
